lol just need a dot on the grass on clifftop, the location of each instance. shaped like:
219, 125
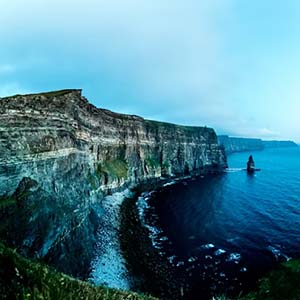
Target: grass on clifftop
46, 94
154, 125
21, 278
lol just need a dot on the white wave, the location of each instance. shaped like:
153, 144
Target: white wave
232, 170
142, 205
155, 233
208, 246
274, 250
277, 253
180, 263
236, 257
172, 258
169, 183
286, 257
219, 252
192, 259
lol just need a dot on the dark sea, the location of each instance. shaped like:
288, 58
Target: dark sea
226, 231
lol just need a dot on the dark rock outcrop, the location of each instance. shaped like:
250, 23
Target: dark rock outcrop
250, 165
59, 155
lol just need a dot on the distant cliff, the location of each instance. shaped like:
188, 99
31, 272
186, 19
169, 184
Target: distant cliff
60, 155
238, 144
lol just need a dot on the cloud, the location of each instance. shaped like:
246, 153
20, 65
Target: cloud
265, 132
156, 53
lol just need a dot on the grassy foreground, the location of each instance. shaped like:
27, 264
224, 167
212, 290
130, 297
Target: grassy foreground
21, 278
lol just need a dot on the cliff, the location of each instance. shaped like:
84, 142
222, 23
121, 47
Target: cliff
60, 155
238, 144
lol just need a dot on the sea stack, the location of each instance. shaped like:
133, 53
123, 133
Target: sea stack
250, 165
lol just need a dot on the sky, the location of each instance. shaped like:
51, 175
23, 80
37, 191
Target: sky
233, 65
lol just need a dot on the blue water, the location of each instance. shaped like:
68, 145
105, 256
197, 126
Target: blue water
226, 231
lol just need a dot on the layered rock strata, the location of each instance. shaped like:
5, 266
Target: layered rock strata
239, 144
60, 155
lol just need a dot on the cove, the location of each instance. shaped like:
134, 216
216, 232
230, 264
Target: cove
224, 232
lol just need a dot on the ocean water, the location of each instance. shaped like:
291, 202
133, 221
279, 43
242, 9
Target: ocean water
224, 232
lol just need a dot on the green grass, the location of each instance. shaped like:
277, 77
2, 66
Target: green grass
21, 278
157, 124
165, 165
152, 162
281, 284
56, 93
46, 94
116, 168
92, 179
7, 201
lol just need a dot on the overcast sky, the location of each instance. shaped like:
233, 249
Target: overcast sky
230, 64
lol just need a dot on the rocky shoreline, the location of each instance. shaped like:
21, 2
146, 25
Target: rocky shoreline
154, 273
117, 250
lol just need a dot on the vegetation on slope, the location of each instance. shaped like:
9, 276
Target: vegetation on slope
281, 284
21, 278
152, 162
154, 125
116, 168
6, 201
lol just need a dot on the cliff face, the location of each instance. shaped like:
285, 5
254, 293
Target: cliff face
237, 144
59, 155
